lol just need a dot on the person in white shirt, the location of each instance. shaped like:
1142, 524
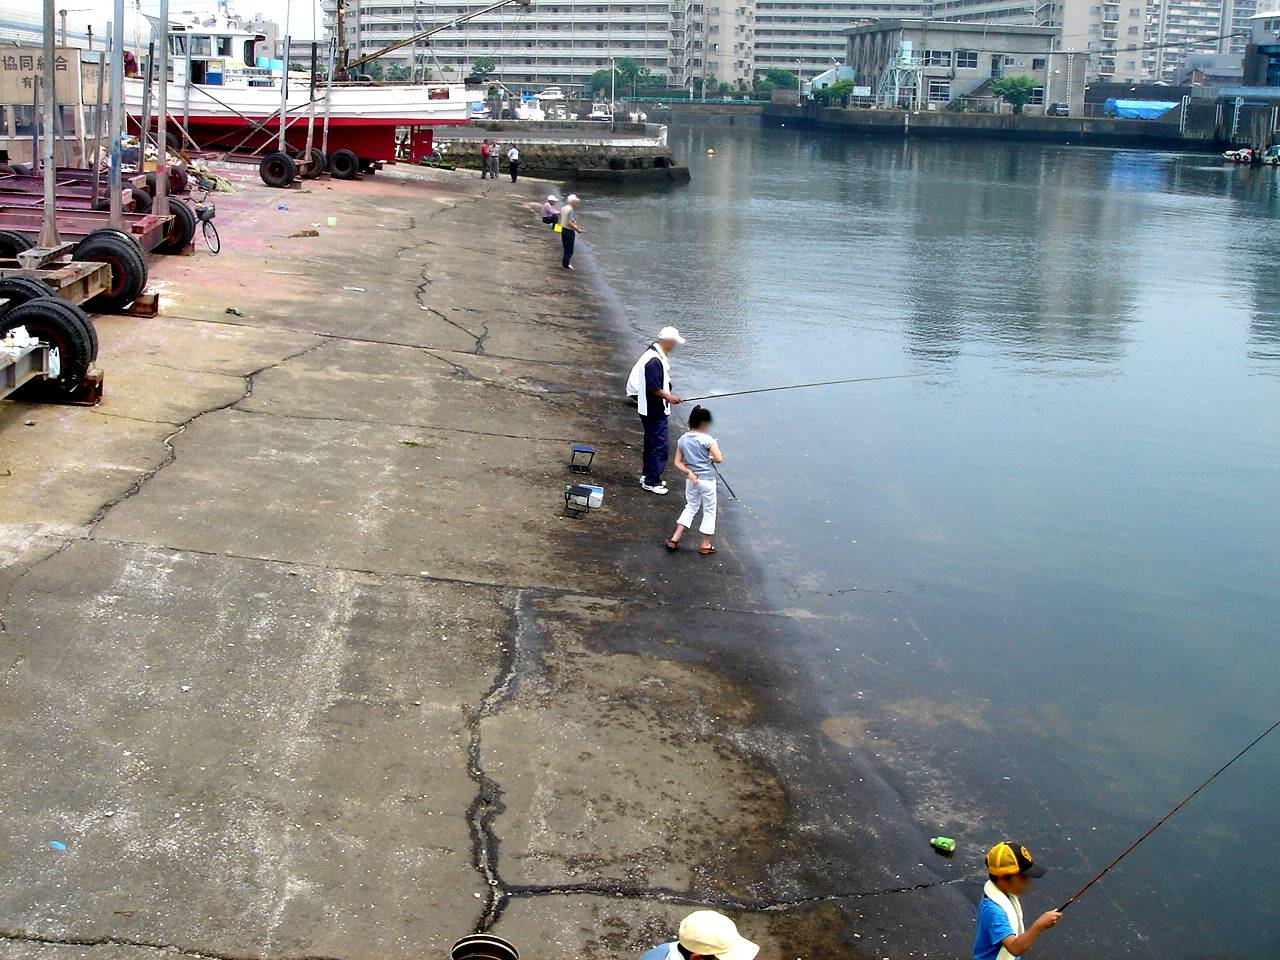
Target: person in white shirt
697, 454
649, 387
513, 161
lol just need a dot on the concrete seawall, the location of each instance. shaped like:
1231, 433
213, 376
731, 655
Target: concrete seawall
300, 657
1094, 131
569, 151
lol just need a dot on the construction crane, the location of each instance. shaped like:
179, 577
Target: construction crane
457, 22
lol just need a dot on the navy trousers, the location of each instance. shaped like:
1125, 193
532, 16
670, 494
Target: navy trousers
567, 237
655, 447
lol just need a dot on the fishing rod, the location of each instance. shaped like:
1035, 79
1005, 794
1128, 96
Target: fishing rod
1187, 799
798, 386
720, 475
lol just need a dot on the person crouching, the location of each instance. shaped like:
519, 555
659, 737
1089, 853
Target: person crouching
550, 215
697, 453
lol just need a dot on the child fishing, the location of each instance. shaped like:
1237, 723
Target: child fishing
1001, 930
697, 453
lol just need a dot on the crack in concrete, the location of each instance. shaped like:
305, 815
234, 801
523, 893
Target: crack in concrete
689, 898
487, 804
22, 936
171, 454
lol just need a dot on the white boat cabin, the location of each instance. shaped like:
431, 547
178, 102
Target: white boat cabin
220, 54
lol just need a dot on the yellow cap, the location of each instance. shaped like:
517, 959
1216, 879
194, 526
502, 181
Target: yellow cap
1009, 858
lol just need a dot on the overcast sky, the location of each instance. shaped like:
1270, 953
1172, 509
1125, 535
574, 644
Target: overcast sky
98, 12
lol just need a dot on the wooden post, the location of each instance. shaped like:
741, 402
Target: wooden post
97, 123
49, 225
161, 205
284, 94
144, 122
117, 113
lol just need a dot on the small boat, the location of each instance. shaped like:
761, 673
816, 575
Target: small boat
529, 108
1270, 156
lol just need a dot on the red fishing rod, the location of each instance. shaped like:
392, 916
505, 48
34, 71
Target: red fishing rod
1159, 823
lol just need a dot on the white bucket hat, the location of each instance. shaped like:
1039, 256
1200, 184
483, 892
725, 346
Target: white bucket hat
670, 333
711, 934
551, 198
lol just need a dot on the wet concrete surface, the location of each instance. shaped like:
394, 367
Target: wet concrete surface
301, 658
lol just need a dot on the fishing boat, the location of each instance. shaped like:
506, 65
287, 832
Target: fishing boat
228, 97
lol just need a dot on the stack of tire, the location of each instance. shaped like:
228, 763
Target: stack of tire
117, 249
49, 318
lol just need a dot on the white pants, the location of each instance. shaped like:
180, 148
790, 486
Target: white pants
700, 496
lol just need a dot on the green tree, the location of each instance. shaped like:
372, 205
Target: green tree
1015, 91
483, 67
600, 81
765, 87
398, 71
835, 93
780, 78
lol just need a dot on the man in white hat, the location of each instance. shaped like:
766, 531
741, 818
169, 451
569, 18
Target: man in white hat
649, 385
706, 934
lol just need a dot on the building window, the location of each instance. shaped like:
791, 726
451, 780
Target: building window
1037, 95
1037, 63
966, 59
935, 58
939, 91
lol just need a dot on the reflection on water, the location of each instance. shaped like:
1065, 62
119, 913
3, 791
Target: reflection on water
1049, 566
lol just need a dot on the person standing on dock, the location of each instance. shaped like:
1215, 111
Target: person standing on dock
650, 385
568, 229
697, 454
513, 161
1001, 931
485, 153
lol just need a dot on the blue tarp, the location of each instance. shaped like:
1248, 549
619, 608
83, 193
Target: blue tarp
1137, 109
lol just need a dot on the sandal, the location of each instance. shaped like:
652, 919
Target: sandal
706, 551
673, 545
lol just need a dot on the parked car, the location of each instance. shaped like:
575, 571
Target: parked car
1058, 110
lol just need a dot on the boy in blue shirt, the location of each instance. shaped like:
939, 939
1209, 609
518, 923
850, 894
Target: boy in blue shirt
1001, 931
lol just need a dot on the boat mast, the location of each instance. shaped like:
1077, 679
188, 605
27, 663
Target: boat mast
432, 31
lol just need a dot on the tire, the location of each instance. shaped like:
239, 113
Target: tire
142, 201
22, 169
181, 230
117, 232
12, 244
18, 290
277, 169
318, 165
73, 314
344, 164
172, 141
62, 325
128, 269
178, 181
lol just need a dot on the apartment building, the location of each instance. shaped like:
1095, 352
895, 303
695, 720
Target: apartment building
559, 42
1178, 28
714, 41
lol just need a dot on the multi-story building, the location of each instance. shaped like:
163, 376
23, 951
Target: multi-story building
808, 36
1176, 28
926, 64
713, 41
558, 42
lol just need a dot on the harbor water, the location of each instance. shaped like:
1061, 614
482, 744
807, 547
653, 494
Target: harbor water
1042, 574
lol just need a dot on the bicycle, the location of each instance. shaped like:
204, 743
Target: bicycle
205, 212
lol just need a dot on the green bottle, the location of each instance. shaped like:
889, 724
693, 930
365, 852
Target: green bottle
943, 844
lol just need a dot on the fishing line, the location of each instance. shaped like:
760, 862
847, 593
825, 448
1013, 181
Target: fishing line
1187, 799
798, 386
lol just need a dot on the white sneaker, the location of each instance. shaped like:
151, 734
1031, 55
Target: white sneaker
660, 489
